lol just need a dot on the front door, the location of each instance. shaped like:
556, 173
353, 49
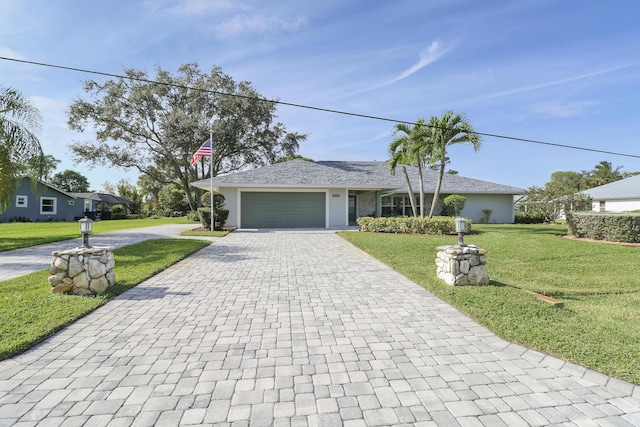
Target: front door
352, 210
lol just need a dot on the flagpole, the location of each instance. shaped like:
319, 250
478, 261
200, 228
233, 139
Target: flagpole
213, 216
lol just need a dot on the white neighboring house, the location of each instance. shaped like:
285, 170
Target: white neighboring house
619, 196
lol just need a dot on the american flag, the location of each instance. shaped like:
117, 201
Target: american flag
204, 150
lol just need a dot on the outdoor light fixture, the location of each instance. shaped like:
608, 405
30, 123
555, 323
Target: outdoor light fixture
461, 228
86, 225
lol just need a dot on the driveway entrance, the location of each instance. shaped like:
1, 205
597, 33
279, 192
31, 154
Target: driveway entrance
295, 328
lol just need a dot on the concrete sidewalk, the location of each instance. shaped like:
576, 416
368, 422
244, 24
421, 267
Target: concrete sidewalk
296, 328
36, 258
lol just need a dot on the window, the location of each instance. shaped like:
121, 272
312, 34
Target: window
603, 205
21, 201
48, 205
397, 206
87, 205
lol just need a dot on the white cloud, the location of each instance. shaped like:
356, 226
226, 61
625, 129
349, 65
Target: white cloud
427, 56
258, 24
560, 110
552, 83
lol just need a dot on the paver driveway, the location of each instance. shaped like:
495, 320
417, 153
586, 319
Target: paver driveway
294, 328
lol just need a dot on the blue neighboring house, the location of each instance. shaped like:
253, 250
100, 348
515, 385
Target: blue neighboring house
35, 200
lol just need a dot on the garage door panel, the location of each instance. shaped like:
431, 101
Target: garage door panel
283, 210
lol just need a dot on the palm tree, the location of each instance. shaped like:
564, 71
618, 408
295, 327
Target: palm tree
444, 132
18, 144
604, 173
411, 148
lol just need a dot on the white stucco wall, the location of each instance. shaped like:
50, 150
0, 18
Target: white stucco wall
502, 205
338, 207
621, 205
231, 202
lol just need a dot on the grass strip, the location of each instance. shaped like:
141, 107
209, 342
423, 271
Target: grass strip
29, 312
18, 235
599, 327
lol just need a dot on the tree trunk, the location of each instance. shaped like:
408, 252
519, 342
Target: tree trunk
436, 193
421, 185
411, 196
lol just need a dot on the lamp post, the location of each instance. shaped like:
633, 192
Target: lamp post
86, 225
461, 228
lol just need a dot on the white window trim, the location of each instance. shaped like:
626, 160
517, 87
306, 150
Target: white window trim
22, 205
55, 206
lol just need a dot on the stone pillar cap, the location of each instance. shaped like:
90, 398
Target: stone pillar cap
83, 251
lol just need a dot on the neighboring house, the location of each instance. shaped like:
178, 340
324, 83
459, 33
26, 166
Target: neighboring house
328, 194
104, 202
619, 196
36, 200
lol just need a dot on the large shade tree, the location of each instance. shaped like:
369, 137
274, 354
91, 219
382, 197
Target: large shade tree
445, 131
19, 146
71, 181
155, 124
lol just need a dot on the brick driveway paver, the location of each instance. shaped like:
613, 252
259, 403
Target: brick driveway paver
291, 328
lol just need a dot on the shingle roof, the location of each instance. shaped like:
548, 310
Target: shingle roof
628, 188
352, 175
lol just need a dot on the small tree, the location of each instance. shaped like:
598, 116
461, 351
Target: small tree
172, 200
220, 216
550, 203
454, 204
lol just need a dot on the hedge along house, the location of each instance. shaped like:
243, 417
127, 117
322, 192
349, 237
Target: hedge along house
35, 200
618, 196
333, 194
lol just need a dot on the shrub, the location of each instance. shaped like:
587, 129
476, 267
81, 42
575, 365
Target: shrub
193, 216
613, 227
530, 218
453, 204
411, 225
220, 220
118, 212
486, 215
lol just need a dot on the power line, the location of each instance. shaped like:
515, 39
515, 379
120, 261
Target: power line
309, 107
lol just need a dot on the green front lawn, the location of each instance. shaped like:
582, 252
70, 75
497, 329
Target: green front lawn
599, 327
29, 312
24, 234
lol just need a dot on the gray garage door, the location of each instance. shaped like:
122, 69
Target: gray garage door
282, 210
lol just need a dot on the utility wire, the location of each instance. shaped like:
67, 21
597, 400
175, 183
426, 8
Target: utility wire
309, 107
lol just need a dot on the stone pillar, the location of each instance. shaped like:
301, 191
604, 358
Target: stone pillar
82, 271
462, 265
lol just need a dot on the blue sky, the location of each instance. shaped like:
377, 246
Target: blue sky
565, 72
